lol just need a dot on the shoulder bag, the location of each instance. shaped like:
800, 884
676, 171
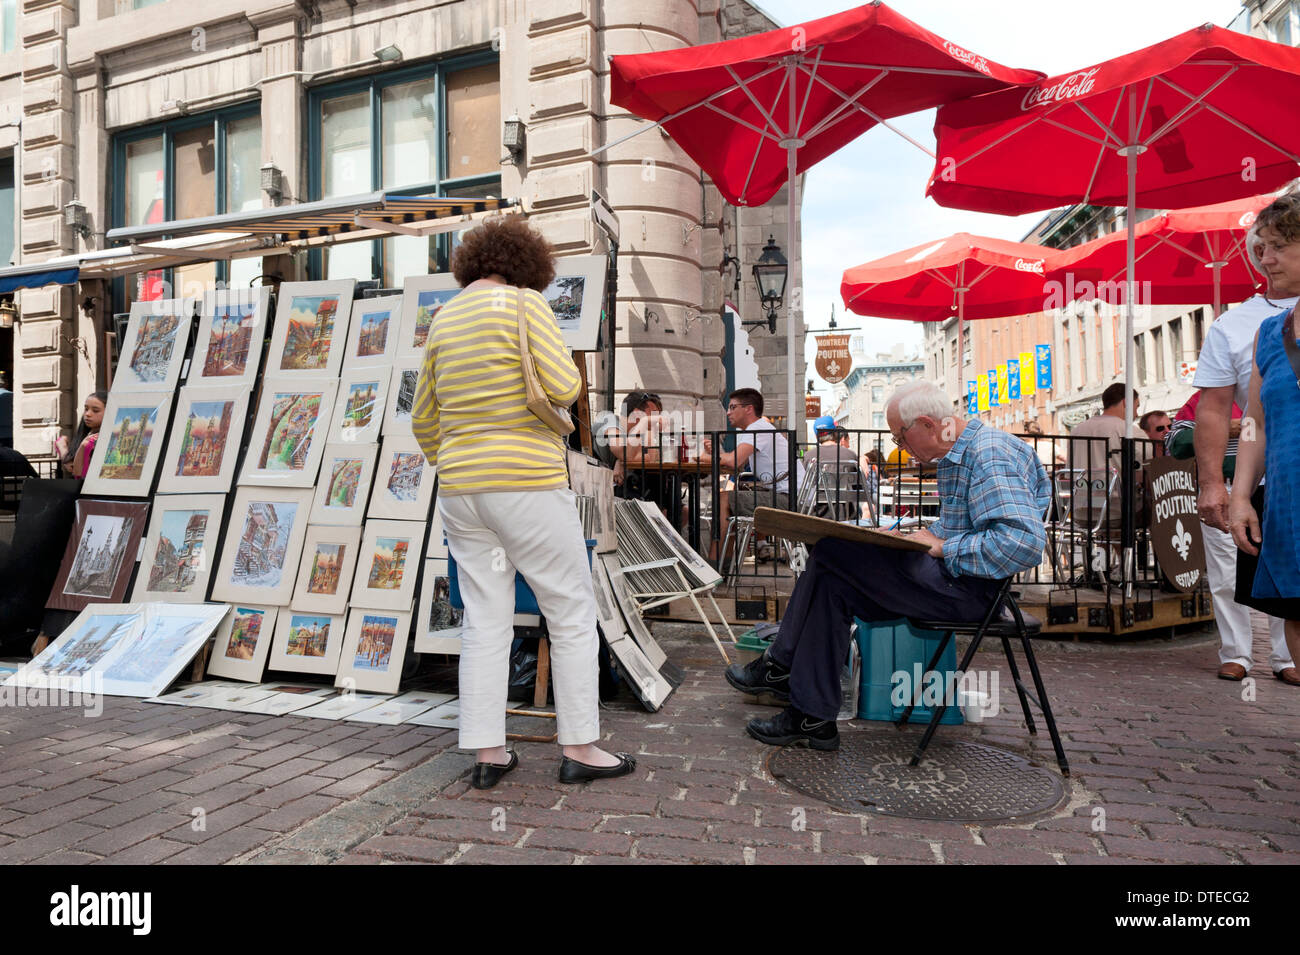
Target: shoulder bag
539, 403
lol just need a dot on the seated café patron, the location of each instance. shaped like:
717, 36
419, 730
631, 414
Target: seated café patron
994, 492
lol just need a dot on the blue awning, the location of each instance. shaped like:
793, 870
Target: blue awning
35, 276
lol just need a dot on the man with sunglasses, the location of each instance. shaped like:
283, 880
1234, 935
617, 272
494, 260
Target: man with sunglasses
994, 492
1156, 424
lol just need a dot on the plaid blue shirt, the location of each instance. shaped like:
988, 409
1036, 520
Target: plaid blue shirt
994, 492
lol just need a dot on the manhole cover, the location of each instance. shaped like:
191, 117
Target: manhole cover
955, 780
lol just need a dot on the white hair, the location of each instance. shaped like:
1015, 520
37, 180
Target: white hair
917, 398
1252, 240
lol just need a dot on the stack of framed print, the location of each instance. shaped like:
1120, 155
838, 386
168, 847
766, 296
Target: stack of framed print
100, 555
123, 649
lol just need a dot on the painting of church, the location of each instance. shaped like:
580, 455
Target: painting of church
228, 346
372, 339
153, 347
389, 563
128, 444
310, 332
179, 555
289, 435
360, 407
100, 553
404, 476
204, 443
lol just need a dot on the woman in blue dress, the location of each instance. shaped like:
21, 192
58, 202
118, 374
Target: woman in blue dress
1269, 435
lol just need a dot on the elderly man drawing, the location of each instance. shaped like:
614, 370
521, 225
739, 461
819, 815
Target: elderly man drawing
994, 492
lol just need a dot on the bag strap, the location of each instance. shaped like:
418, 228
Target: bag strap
1289, 344
524, 350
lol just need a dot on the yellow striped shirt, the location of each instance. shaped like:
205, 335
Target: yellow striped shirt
470, 416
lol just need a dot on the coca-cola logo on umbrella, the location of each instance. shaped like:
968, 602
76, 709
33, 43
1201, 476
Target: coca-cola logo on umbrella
1074, 85
966, 56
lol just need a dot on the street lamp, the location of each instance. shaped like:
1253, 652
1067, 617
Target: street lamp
770, 273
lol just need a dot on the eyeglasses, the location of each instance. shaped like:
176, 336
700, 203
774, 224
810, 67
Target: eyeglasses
1161, 427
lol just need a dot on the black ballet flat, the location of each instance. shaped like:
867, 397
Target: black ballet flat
572, 771
487, 775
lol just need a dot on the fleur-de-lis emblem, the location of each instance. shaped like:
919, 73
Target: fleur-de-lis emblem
833, 367
1182, 540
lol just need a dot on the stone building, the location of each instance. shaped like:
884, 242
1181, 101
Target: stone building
118, 113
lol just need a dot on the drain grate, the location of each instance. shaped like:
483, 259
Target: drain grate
955, 781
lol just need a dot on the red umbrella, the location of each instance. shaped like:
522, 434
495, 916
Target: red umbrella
755, 111
969, 276
1206, 116
1197, 253
744, 109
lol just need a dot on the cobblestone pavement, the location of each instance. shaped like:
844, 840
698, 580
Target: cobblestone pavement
1185, 769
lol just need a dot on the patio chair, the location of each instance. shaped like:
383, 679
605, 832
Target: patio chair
1005, 621
740, 531
1083, 499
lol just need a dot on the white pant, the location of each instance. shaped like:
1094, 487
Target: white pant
1234, 618
537, 532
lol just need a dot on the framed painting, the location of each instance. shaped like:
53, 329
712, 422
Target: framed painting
242, 644
329, 559
401, 708
100, 555
204, 445
153, 348
342, 705
359, 408
388, 565
401, 397
422, 297
264, 535
344, 485
374, 647
438, 626
179, 551
83, 649
289, 433
623, 601
148, 661
404, 482
373, 332
130, 444
576, 296
311, 329
232, 328
307, 642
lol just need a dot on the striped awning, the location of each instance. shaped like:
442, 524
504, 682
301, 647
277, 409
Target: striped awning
370, 212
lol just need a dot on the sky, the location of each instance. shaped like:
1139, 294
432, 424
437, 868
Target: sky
868, 200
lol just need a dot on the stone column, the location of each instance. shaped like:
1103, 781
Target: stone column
48, 378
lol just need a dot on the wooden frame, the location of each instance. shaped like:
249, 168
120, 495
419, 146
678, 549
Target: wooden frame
101, 552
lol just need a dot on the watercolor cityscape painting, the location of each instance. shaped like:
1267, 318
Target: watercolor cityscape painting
289, 434
310, 333
231, 339
128, 444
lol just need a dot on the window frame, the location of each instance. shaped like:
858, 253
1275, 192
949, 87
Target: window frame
375, 84
219, 119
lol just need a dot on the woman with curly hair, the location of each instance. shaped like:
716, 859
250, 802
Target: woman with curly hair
504, 496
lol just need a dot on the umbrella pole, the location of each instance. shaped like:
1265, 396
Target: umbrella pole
1129, 486
1218, 277
791, 145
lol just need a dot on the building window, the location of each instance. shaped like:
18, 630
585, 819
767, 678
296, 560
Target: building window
1198, 330
1158, 353
7, 210
429, 130
855, 344
878, 420
952, 350
877, 394
1140, 356
8, 26
965, 351
1176, 343
1281, 26
192, 167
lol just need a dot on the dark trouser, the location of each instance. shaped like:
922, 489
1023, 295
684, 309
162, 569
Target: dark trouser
844, 580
